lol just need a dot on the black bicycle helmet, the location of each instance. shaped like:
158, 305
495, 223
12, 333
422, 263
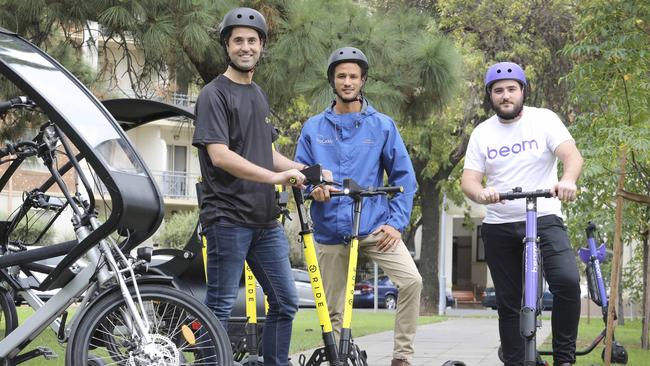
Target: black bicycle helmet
346, 54
242, 17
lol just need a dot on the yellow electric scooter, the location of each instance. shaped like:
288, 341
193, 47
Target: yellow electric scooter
327, 353
246, 351
348, 353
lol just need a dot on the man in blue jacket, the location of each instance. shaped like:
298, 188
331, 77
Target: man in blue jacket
353, 140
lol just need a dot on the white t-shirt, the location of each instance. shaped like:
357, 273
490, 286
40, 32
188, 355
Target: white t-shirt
518, 154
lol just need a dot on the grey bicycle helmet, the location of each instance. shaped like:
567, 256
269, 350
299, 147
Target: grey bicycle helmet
346, 54
243, 17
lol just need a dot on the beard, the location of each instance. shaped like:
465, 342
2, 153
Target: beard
353, 99
516, 110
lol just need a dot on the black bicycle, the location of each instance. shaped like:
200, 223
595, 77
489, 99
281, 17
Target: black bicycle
123, 315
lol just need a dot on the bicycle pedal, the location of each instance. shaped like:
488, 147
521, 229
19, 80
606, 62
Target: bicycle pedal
47, 353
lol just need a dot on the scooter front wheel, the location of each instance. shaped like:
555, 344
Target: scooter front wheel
540, 362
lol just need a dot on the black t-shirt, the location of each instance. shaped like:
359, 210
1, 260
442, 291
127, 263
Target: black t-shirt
235, 115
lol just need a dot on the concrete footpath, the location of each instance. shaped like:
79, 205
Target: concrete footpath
472, 340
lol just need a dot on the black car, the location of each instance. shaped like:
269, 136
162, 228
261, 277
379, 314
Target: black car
490, 300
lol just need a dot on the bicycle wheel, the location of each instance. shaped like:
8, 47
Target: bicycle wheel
8, 316
182, 331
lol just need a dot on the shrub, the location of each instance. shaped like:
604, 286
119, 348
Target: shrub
177, 229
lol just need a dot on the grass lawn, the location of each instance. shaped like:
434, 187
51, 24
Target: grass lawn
306, 331
628, 335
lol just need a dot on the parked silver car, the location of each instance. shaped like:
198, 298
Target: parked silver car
303, 285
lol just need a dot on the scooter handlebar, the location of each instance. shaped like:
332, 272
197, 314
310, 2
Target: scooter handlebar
517, 194
370, 191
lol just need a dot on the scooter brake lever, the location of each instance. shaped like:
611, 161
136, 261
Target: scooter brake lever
332, 183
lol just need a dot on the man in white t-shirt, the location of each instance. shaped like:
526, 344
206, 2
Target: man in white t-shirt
519, 147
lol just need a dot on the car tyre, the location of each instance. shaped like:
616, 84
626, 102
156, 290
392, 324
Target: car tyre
391, 302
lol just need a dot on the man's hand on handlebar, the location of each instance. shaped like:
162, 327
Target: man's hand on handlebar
291, 177
565, 191
487, 196
322, 192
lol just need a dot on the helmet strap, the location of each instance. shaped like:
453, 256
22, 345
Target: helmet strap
239, 69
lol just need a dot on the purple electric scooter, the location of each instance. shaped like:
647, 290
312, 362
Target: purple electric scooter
531, 308
592, 256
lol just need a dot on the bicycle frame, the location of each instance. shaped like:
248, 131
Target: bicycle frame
77, 119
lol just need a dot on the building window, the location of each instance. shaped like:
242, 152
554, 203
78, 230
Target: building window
480, 246
175, 180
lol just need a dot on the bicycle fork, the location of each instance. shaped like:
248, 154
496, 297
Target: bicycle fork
137, 320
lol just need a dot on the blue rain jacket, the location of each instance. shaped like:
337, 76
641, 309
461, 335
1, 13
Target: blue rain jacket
361, 146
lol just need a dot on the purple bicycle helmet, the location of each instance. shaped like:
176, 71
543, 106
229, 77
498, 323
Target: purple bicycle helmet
504, 71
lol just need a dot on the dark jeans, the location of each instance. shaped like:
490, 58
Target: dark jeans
504, 254
267, 253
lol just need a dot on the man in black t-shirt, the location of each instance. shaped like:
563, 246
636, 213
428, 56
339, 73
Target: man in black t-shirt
238, 207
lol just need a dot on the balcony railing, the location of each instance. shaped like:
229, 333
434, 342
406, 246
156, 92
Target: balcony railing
176, 185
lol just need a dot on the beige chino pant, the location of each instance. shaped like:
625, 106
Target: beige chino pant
400, 268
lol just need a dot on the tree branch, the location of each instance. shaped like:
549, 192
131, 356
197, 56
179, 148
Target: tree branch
640, 198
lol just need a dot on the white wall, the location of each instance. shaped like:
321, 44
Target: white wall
151, 146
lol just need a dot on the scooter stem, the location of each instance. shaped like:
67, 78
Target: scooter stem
322, 311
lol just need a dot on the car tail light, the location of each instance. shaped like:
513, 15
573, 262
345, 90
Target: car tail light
365, 288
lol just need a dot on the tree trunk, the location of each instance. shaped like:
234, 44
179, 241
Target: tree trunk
621, 306
646, 292
430, 203
616, 260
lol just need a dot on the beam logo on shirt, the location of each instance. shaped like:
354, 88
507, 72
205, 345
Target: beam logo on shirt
516, 148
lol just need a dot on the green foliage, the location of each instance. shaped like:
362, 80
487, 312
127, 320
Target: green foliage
426, 60
412, 69
28, 230
611, 94
291, 120
177, 229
